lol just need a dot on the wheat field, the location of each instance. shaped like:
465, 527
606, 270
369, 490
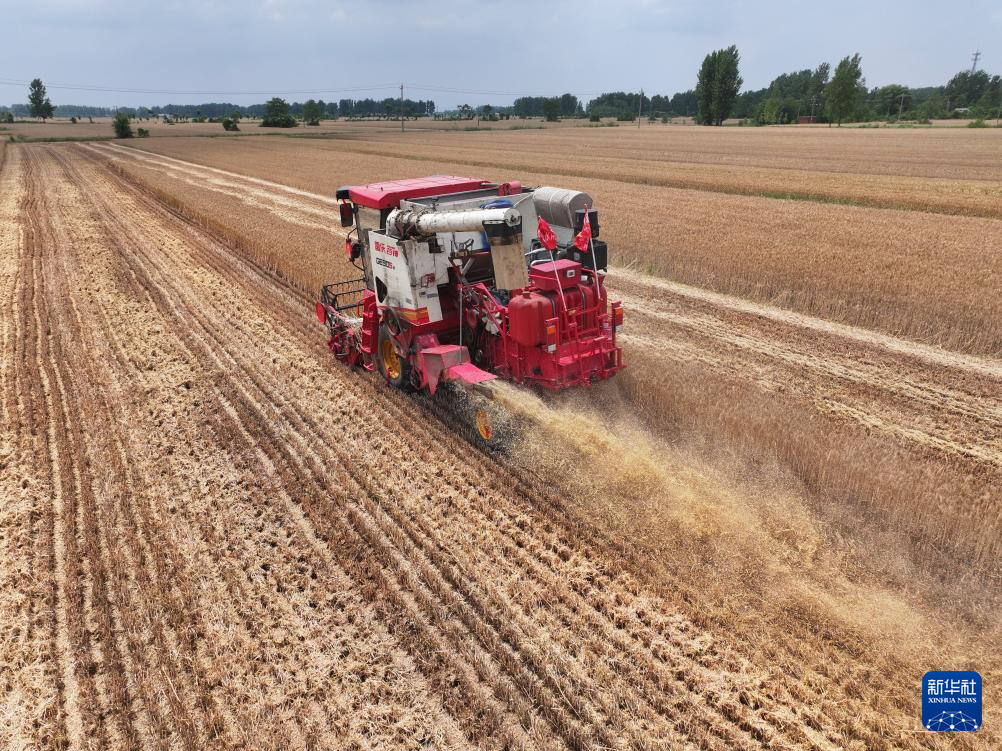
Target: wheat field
763, 552
908, 272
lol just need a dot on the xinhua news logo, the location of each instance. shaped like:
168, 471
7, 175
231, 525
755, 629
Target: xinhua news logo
951, 700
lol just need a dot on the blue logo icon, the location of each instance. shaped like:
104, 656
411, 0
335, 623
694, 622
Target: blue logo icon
951, 700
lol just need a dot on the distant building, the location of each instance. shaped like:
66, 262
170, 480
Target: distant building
807, 119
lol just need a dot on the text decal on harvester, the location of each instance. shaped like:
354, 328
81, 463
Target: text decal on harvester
951, 700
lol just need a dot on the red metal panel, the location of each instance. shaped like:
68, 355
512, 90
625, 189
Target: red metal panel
469, 373
546, 275
388, 194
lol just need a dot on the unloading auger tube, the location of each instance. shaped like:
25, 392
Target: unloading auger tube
412, 223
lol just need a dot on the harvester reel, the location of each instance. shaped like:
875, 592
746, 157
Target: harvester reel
340, 342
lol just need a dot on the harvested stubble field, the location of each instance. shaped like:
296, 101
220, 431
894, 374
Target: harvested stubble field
62, 128
214, 537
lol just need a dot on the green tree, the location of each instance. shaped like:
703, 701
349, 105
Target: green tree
892, 99
551, 110
771, 111
789, 96
312, 112
38, 100
966, 88
568, 105
277, 114
121, 126
934, 107
704, 89
989, 102
717, 86
846, 90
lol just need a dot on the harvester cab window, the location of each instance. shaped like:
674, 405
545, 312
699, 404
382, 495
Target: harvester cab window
369, 218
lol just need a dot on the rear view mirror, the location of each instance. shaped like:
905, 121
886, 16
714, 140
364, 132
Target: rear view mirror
347, 215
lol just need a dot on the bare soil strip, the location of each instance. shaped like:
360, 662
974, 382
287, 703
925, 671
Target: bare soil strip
250, 547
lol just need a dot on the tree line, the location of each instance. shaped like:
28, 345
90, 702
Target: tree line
842, 95
819, 93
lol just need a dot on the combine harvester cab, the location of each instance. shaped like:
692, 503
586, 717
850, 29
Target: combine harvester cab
468, 281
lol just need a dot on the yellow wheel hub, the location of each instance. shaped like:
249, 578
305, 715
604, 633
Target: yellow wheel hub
391, 360
484, 426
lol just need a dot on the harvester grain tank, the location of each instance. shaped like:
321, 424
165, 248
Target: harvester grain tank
457, 285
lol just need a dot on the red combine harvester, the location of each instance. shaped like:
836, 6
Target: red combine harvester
466, 281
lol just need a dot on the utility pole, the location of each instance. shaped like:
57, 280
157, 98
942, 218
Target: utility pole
640, 107
974, 60
401, 108
901, 106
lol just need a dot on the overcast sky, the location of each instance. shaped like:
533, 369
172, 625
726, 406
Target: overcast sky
491, 51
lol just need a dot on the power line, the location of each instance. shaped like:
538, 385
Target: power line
177, 92
486, 92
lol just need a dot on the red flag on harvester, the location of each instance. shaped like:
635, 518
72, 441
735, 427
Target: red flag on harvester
583, 238
545, 235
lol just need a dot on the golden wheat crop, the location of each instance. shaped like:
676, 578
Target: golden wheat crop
912, 273
222, 538
297, 235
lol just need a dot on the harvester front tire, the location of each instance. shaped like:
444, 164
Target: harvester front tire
395, 369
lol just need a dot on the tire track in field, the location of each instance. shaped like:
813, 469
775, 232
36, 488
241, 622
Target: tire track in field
123, 238
29, 700
40, 424
152, 613
273, 397
286, 203
103, 557
33, 696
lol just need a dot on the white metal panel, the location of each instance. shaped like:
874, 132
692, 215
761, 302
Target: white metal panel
410, 274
